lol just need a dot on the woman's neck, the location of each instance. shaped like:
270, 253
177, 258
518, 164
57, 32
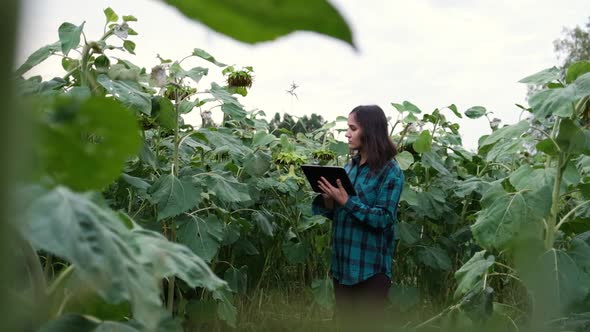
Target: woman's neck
363, 157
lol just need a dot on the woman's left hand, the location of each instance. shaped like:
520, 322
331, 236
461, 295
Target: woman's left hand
338, 194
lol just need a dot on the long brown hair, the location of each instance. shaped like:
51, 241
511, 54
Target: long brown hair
377, 145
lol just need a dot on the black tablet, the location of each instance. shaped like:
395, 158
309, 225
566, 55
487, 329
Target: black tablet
330, 173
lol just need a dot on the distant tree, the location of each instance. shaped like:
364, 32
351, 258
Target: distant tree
574, 46
304, 124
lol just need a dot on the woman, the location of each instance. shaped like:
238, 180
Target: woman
363, 225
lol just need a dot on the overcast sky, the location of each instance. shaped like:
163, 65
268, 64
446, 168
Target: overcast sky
431, 53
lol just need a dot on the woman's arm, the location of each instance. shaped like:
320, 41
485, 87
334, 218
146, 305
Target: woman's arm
383, 213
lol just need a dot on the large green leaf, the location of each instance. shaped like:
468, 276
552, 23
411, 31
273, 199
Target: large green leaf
525, 177
423, 142
577, 69
225, 309
129, 46
323, 292
435, 258
431, 159
227, 188
475, 112
339, 148
69, 36
126, 93
84, 146
548, 146
506, 216
478, 305
110, 15
87, 302
263, 139
226, 97
266, 20
410, 196
136, 182
37, 57
455, 111
560, 101
579, 251
237, 279
195, 73
507, 132
542, 77
147, 156
190, 145
405, 160
505, 150
164, 112
409, 107
470, 185
186, 106
571, 138
471, 272
264, 222
221, 138
244, 247
296, 252
165, 259
30, 86
174, 195
567, 284
311, 222
285, 187
233, 111
256, 164
408, 233
431, 203
79, 323
103, 251
202, 235
204, 55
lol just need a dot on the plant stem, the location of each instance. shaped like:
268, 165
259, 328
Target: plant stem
171, 281
48, 266
85, 78
403, 135
175, 169
552, 219
507, 275
564, 219
34, 269
444, 312
60, 279
504, 266
84, 65
176, 135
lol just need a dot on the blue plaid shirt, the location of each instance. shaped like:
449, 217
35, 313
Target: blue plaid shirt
363, 229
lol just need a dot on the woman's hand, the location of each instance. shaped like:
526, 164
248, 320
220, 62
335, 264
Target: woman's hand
328, 202
338, 194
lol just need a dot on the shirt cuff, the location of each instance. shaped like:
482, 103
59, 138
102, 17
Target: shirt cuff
351, 205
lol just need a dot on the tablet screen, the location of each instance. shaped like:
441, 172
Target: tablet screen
330, 173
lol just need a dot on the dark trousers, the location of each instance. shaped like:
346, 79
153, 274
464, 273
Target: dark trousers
362, 302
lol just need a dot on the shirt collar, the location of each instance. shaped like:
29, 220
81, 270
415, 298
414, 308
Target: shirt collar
356, 160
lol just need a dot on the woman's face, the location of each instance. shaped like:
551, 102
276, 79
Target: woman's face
354, 133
